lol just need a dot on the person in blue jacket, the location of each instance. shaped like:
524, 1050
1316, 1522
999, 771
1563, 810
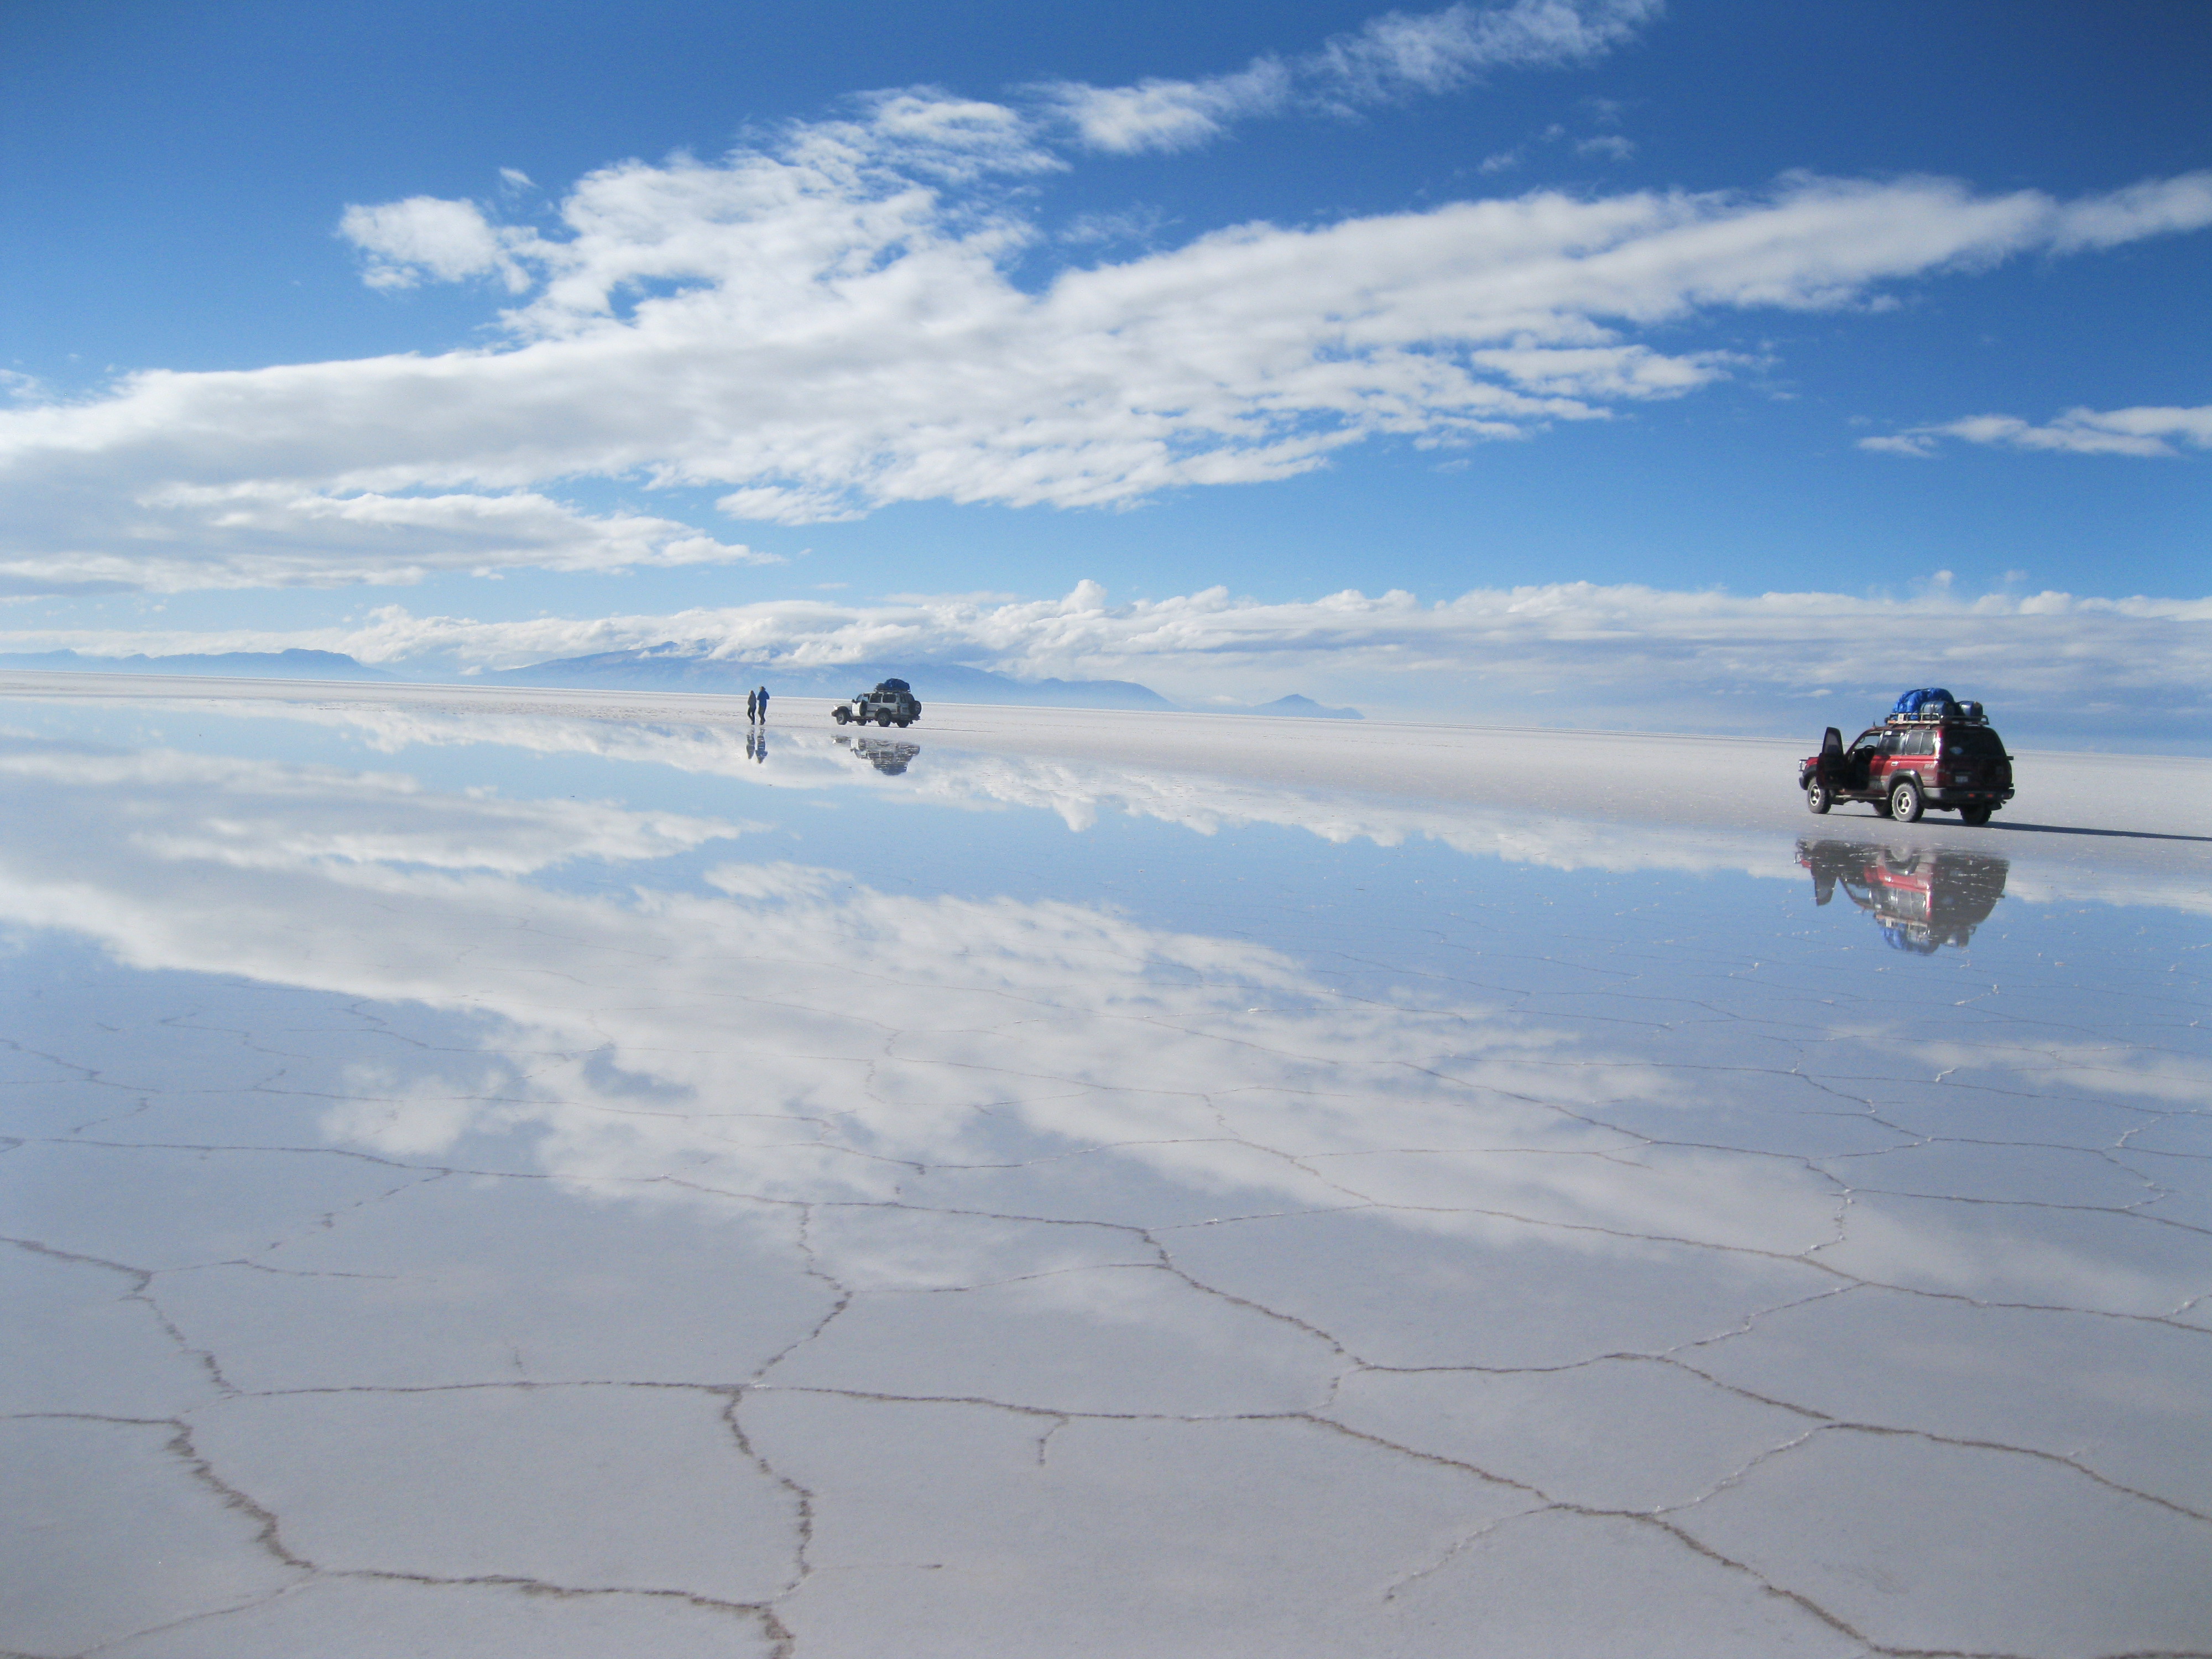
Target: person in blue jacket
762, 695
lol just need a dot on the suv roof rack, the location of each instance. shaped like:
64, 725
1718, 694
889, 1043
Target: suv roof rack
1969, 713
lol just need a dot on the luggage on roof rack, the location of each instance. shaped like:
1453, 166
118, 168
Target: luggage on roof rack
1917, 703
1931, 706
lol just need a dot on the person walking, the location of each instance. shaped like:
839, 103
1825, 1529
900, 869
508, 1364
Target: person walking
753, 707
763, 694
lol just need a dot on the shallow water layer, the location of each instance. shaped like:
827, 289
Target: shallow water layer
788, 1194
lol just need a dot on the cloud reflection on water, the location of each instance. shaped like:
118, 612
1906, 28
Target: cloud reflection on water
792, 1032
598, 1197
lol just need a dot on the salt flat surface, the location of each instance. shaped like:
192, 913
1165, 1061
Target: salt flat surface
564, 1173
1715, 782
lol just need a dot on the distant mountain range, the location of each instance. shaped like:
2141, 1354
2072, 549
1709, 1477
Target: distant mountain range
1293, 706
293, 665
667, 669
673, 667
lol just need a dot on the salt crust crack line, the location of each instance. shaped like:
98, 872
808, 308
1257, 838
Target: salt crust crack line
269, 1535
845, 1296
140, 1292
1805, 1258
1061, 1417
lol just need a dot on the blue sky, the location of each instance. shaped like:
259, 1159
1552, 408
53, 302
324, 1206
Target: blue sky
996, 300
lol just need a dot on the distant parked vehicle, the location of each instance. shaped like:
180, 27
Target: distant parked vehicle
1931, 750
892, 703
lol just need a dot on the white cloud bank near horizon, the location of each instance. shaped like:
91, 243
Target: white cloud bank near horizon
831, 322
1544, 652
2141, 431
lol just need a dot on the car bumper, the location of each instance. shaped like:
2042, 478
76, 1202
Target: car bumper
1955, 797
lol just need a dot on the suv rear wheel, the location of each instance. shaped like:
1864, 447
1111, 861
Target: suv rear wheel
1904, 801
1976, 816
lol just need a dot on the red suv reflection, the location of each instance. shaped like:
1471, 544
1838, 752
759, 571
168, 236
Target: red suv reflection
1923, 900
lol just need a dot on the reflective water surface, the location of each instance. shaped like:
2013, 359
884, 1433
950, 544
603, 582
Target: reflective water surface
803, 1195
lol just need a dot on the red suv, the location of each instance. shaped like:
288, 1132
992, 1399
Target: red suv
1939, 753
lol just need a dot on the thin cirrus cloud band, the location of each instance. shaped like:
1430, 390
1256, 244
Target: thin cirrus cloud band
2145, 431
1388, 59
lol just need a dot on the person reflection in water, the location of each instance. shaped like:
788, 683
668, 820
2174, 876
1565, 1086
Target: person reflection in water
755, 745
1922, 899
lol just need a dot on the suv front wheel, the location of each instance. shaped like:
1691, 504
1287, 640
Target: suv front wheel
1817, 797
1904, 801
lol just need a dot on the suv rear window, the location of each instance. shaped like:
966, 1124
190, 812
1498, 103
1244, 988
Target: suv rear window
1972, 743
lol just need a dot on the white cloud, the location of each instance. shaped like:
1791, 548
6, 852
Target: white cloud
2142, 431
1171, 115
1136, 224
265, 534
424, 236
1900, 444
1388, 57
830, 323
2127, 216
1638, 654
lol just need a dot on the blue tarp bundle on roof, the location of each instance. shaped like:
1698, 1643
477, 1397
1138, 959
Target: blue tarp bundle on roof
1913, 701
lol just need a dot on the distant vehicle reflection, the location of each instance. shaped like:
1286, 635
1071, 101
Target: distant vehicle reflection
1923, 898
885, 753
